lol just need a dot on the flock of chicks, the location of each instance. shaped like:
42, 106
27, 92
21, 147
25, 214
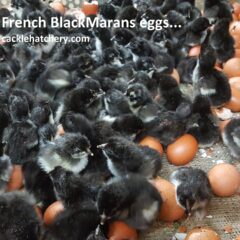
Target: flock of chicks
107, 95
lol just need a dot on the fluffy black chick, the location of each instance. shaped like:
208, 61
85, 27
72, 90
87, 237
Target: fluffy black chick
39, 184
72, 189
208, 81
70, 151
4, 13
131, 199
112, 56
4, 117
193, 190
221, 41
76, 122
124, 156
141, 102
85, 101
74, 224
22, 141
188, 10
18, 218
128, 125
115, 104
201, 123
167, 128
108, 11
5, 172
231, 137
217, 9
197, 31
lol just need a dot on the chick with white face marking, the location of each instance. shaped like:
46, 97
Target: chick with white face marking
193, 190
131, 199
70, 152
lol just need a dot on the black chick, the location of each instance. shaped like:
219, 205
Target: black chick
128, 125
74, 224
197, 31
22, 141
18, 218
217, 9
115, 104
72, 189
108, 11
4, 13
202, 124
5, 172
39, 184
70, 151
193, 190
221, 41
188, 10
85, 101
76, 122
131, 199
169, 91
167, 128
168, 5
124, 156
231, 137
208, 81
112, 56
141, 102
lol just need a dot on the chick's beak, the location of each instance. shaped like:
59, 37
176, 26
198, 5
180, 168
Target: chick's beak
89, 152
102, 145
103, 219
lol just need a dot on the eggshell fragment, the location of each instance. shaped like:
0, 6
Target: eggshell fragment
121, 231
224, 179
202, 233
232, 67
153, 143
183, 150
234, 103
235, 82
52, 211
170, 210
16, 179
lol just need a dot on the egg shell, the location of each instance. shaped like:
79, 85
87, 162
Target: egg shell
194, 51
153, 143
234, 103
52, 211
16, 179
175, 75
170, 210
237, 53
58, 7
121, 231
238, 238
236, 8
224, 179
183, 150
202, 233
232, 67
90, 8
234, 30
39, 212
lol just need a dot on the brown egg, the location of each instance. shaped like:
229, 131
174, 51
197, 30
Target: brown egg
236, 8
234, 30
232, 67
152, 143
175, 75
238, 237
235, 82
194, 51
237, 53
183, 150
90, 8
170, 210
121, 231
16, 179
202, 233
52, 211
224, 179
234, 103
58, 7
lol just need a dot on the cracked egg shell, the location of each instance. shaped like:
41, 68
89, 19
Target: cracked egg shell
202, 233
